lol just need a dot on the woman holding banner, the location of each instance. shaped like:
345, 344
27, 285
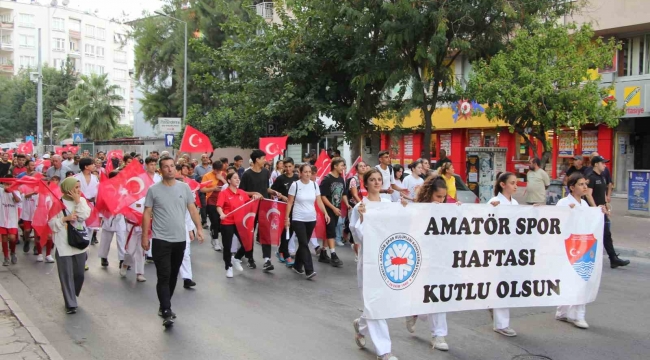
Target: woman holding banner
578, 188
377, 329
433, 190
229, 200
504, 188
302, 195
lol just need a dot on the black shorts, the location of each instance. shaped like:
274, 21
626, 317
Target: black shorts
330, 229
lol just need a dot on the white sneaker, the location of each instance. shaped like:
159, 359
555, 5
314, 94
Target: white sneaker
388, 356
438, 342
140, 278
410, 323
123, 270
582, 324
506, 332
229, 272
49, 259
236, 264
217, 246
39, 258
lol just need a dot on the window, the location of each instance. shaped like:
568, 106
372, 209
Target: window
58, 24
119, 91
122, 112
27, 41
5, 61
636, 56
119, 74
90, 50
5, 39
58, 44
90, 31
59, 63
26, 20
101, 33
75, 25
28, 61
89, 69
99, 70
100, 52
119, 56
6, 18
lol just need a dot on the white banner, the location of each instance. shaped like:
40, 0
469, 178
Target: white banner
431, 258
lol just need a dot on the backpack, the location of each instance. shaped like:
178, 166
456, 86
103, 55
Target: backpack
390, 169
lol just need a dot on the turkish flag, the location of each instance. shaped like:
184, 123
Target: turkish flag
353, 168
26, 184
129, 186
271, 221
26, 148
73, 149
320, 231
273, 146
11, 153
323, 166
119, 154
93, 220
195, 141
59, 150
244, 217
48, 206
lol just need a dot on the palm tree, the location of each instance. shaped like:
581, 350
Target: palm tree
63, 121
93, 99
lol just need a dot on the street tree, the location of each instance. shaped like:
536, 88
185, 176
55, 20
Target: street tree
540, 82
93, 99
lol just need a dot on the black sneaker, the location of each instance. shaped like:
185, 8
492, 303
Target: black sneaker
616, 262
149, 260
160, 313
268, 266
104, 262
70, 311
310, 276
188, 283
93, 240
251, 264
336, 262
299, 272
26, 247
168, 322
323, 257
35, 250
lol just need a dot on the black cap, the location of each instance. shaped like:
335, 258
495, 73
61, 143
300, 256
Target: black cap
577, 157
597, 159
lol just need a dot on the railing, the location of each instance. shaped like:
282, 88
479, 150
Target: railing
6, 46
265, 10
7, 68
75, 34
6, 24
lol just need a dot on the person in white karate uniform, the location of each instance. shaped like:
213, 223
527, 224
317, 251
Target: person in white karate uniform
89, 184
377, 329
150, 164
133, 252
112, 226
504, 188
577, 184
186, 266
433, 190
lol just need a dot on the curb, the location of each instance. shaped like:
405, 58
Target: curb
633, 253
36, 334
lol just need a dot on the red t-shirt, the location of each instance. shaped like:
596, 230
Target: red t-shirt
229, 201
18, 170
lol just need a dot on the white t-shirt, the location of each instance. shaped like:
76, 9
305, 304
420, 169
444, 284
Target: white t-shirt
8, 210
303, 204
571, 200
388, 180
503, 200
410, 183
396, 196
88, 189
29, 207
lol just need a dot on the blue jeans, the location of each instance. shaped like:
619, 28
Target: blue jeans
339, 229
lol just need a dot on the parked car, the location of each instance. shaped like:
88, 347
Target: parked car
463, 193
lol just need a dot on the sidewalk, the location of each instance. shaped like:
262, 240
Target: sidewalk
20, 339
631, 234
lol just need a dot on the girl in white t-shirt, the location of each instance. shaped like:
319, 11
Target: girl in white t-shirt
504, 189
413, 182
304, 195
398, 171
9, 223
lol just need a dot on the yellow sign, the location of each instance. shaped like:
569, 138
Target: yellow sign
632, 96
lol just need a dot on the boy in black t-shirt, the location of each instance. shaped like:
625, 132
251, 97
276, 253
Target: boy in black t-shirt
255, 181
333, 193
598, 185
282, 184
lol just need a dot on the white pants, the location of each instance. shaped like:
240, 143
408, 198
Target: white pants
573, 312
134, 254
105, 243
438, 324
378, 332
186, 266
501, 318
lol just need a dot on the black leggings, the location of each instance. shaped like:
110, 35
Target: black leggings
227, 232
347, 229
303, 232
215, 220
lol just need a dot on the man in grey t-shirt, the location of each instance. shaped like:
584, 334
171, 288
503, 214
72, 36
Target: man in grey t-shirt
57, 168
167, 202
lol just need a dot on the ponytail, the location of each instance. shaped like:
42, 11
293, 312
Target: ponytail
502, 177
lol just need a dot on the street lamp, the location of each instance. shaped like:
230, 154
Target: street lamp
185, 66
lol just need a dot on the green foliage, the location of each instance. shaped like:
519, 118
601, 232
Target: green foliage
122, 131
540, 82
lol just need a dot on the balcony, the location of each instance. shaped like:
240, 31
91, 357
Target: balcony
75, 34
6, 25
75, 54
265, 10
9, 68
6, 46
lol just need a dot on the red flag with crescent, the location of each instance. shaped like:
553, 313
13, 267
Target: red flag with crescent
129, 186
271, 221
26, 148
244, 217
353, 169
320, 230
273, 146
48, 206
195, 141
323, 166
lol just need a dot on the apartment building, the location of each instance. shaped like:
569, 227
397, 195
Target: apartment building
95, 45
627, 21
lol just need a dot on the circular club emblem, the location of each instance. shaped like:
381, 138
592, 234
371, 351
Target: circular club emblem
399, 260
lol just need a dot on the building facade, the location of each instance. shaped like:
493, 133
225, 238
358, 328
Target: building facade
95, 45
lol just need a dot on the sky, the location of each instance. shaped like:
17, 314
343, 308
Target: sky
114, 8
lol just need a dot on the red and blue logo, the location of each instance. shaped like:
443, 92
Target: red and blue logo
581, 251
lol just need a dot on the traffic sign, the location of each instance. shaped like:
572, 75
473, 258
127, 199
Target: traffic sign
77, 138
169, 140
169, 125
29, 138
271, 129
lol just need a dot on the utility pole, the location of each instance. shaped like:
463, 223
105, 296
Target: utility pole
39, 100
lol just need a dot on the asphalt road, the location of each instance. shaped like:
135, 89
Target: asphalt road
282, 316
